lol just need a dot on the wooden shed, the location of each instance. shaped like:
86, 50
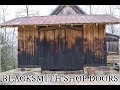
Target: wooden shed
62, 42
112, 44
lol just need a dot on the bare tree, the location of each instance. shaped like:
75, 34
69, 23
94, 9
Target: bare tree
118, 7
90, 9
3, 17
6, 44
26, 12
110, 10
0, 48
0, 54
93, 9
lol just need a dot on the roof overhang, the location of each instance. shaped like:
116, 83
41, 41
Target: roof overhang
61, 20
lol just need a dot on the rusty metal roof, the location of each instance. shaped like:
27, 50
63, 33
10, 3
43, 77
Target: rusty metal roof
72, 19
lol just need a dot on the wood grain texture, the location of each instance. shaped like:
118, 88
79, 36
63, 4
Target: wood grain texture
94, 43
61, 48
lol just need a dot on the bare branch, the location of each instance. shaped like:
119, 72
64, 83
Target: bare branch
27, 12
118, 7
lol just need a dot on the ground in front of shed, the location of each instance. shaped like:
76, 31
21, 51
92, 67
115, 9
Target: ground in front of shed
65, 78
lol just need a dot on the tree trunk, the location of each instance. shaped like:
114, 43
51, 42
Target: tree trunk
27, 10
90, 9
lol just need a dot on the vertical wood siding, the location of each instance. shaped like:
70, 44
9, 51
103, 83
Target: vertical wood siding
51, 48
61, 48
94, 45
27, 48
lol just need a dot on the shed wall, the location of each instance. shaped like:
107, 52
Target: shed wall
27, 48
51, 48
31, 53
94, 45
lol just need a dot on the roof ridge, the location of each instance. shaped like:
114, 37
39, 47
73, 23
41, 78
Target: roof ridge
75, 7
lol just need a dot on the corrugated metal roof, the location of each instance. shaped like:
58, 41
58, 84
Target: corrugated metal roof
72, 19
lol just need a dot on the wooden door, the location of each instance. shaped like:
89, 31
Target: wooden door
61, 49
